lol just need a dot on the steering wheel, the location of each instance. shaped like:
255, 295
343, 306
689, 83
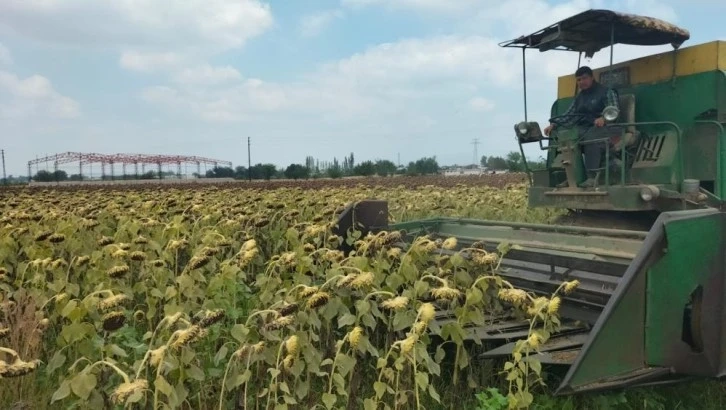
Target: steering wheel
560, 119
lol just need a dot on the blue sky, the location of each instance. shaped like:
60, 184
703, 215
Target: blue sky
319, 77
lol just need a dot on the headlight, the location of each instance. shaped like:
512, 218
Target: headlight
649, 193
522, 128
611, 113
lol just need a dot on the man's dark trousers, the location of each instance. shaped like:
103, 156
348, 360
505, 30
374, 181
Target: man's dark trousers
594, 151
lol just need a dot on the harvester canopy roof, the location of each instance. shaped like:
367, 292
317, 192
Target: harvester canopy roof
590, 31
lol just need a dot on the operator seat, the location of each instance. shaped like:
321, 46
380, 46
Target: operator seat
627, 115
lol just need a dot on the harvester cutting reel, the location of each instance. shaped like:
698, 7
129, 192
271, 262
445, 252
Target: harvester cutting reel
648, 308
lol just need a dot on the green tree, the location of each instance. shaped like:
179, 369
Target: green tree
497, 163
365, 168
240, 172
514, 162
423, 166
385, 167
334, 170
297, 171
220, 172
268, 171
483, 161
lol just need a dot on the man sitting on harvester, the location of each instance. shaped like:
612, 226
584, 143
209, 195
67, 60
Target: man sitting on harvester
587, 109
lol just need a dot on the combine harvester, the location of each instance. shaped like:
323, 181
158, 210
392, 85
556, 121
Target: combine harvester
651, 303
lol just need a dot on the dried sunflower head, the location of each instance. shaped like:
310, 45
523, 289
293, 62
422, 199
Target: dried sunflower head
534, 340
118, 271
198, 261
59, 263
159, 263
445, 293
396, 303
449, 243
119, 254
292, 345
56, 238
554, 305
288, 361
137, 256
140, 240
355, 336
43, 236
17, 368
484, 259
187, 336
125, 390
408, 343
288, 309
394, 253
280, 322
309, 248
571, 286
156, 355
318, 299
363, 280
426, 312
211, 317
515, 296
306, 291
83, 260
112, 301
113, 321
105, 240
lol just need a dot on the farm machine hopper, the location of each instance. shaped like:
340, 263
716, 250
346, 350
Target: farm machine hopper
650, 305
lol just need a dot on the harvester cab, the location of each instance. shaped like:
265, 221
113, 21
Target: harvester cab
650, 304
661, 144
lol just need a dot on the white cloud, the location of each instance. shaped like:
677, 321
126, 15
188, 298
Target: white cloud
5, 56
150, 61
33, 98
205, 74
238, 102
216, 24
378, 82
447, 6
312, 24
481, 104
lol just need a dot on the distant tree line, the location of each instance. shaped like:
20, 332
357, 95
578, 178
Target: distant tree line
512, 162
314, 168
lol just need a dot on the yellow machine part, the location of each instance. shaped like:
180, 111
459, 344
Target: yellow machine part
659, 67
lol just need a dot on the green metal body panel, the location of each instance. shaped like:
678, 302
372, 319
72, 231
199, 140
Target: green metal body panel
641, 332
688, 265
696, 105
610, 198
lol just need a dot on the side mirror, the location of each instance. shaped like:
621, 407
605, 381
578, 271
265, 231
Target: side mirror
528, 132
610, 113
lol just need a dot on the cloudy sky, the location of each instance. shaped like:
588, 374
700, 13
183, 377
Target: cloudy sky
315, 77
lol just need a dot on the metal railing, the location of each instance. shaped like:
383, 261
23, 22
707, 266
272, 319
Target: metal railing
623, 151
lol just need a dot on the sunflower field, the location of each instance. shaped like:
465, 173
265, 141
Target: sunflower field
238, 296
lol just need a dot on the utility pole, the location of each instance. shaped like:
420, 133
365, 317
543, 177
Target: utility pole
5, 177
399, 159
249, 161
475, 142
